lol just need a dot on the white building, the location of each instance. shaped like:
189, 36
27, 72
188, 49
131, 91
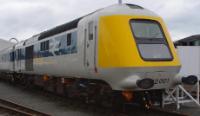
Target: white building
189, 53
5, 44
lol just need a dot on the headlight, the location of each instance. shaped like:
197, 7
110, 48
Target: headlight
145, 83
190, 80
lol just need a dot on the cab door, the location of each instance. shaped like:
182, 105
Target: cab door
17, 60
90, 47
29, 58
12, 60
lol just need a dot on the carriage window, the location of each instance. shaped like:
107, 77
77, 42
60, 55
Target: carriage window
44, 46
22, 54
69, 39
17, 53
12, 56
91, 31
74, 42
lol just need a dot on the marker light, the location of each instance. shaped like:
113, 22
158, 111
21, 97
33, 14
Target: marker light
128, 95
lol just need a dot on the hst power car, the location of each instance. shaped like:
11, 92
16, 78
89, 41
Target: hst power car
123, 49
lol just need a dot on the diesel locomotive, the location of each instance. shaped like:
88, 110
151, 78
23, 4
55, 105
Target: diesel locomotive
123, 50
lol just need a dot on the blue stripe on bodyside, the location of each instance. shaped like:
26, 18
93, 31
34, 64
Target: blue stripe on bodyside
60, 49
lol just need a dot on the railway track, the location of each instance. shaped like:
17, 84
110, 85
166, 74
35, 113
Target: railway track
12, 109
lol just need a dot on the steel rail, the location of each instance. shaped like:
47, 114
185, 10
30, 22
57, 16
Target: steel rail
19, 109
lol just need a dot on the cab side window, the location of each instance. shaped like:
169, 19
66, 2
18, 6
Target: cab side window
91, 35
44, 46
69, 39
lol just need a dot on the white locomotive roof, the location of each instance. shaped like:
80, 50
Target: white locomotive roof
117, 9
125, 9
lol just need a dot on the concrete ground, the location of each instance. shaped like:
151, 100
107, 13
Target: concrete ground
190, 109
46, 104
60, 107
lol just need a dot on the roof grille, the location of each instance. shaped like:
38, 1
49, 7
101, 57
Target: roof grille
133, 6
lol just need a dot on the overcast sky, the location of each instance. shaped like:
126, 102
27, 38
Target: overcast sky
24, 18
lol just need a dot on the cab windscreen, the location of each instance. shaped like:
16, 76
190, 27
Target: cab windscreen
150, 39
